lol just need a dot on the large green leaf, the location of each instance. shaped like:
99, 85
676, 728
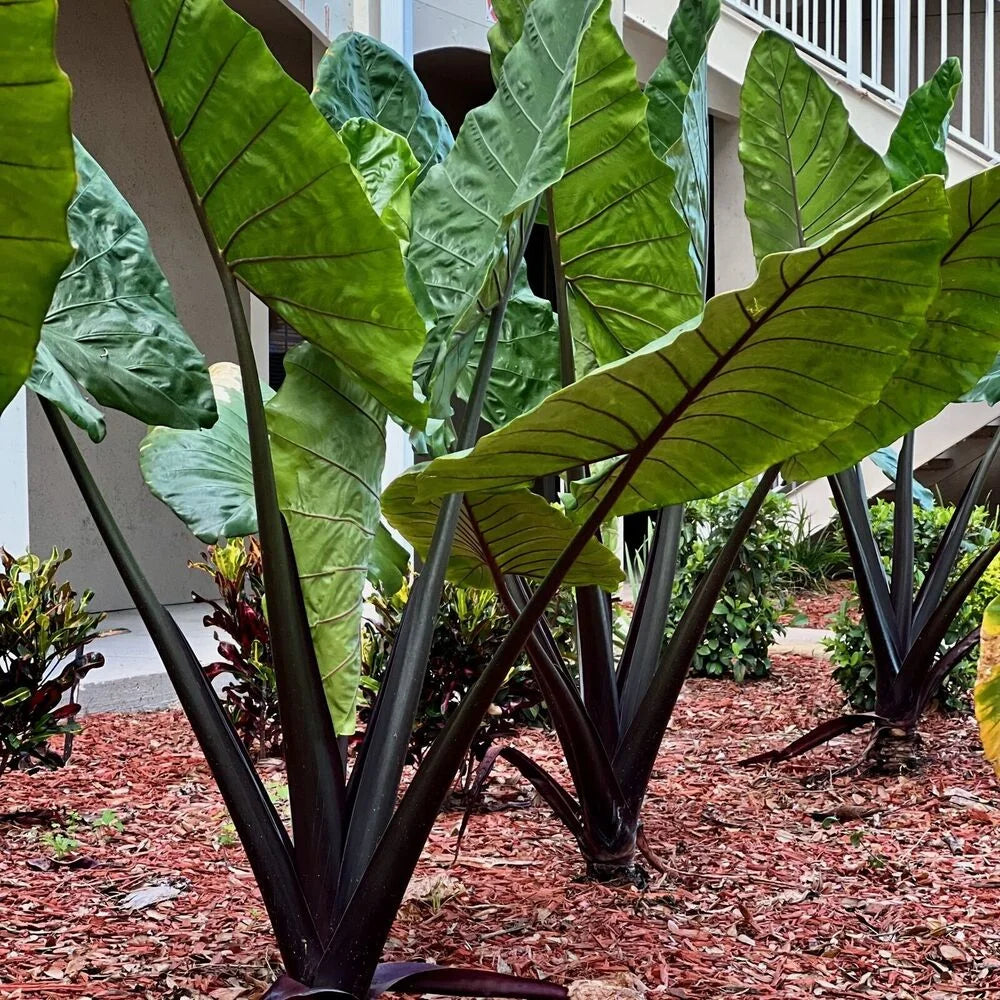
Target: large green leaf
765, 373
677, 115
277, 188
507, 154
389, 563
328, 444
526, 366
37, 179
987, 689
359, 77
625, 251
956, 346
517, 531
806, 171
502, 37
205, 476
387, 168
987, 389
113, 326
918, 143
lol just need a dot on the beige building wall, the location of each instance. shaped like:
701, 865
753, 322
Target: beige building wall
116, 118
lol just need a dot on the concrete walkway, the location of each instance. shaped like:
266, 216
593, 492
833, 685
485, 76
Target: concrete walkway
803, 642
133, 678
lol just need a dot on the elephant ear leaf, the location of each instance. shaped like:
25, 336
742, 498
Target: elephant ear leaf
507, 154
765, 373
806, 171
328, 444
387, 168
526, 366
113, 327
510, 15
205, 476
515, 532
37, 179
389, 563
359, 77
920, 138
260, 158
624, 250
987, 688
677, 115
956, 345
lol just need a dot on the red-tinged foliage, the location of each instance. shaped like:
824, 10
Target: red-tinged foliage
250, 690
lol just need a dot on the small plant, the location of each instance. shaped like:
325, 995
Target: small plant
250, 695
815, 557
108, 821
226, 837
44, 627
850, 646
60, 844
745, 620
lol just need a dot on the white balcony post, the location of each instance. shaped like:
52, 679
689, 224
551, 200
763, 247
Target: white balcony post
854, 42
395, 23
14, 507
903, 22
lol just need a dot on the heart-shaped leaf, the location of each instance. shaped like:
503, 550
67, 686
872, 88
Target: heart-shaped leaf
112, 325
516, 532
806, 171
328, 445
277, 189
37, 179
624, 250
205, 476
786, 361
359, 77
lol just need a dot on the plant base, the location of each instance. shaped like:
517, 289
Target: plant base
895, 750
618, 873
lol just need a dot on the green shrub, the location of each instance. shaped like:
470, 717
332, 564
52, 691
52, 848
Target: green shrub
746, 617
850, 648
815, 557
471, 626
44, 627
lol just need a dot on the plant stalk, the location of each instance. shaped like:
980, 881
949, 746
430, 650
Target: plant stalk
316, 783
268, 848
380, 767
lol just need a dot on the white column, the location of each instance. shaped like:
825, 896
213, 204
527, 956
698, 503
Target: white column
259, 319
395, 25
618, 14
14, 513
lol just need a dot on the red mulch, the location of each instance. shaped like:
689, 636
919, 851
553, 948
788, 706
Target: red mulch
896, 899
819, 607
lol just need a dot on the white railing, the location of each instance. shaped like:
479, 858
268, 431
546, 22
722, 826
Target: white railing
889, 47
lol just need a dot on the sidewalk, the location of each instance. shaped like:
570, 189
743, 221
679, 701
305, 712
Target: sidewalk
133, 678
803, 642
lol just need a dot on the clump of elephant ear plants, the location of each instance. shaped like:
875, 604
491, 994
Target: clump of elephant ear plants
290, 209
907, 619
611, 725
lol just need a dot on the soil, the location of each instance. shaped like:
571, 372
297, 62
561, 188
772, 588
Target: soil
855, 888
818, 607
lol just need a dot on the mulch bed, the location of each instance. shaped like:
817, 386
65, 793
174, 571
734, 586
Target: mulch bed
855, 888
818, 607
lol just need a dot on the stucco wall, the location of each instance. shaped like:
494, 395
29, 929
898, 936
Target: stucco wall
116, 118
